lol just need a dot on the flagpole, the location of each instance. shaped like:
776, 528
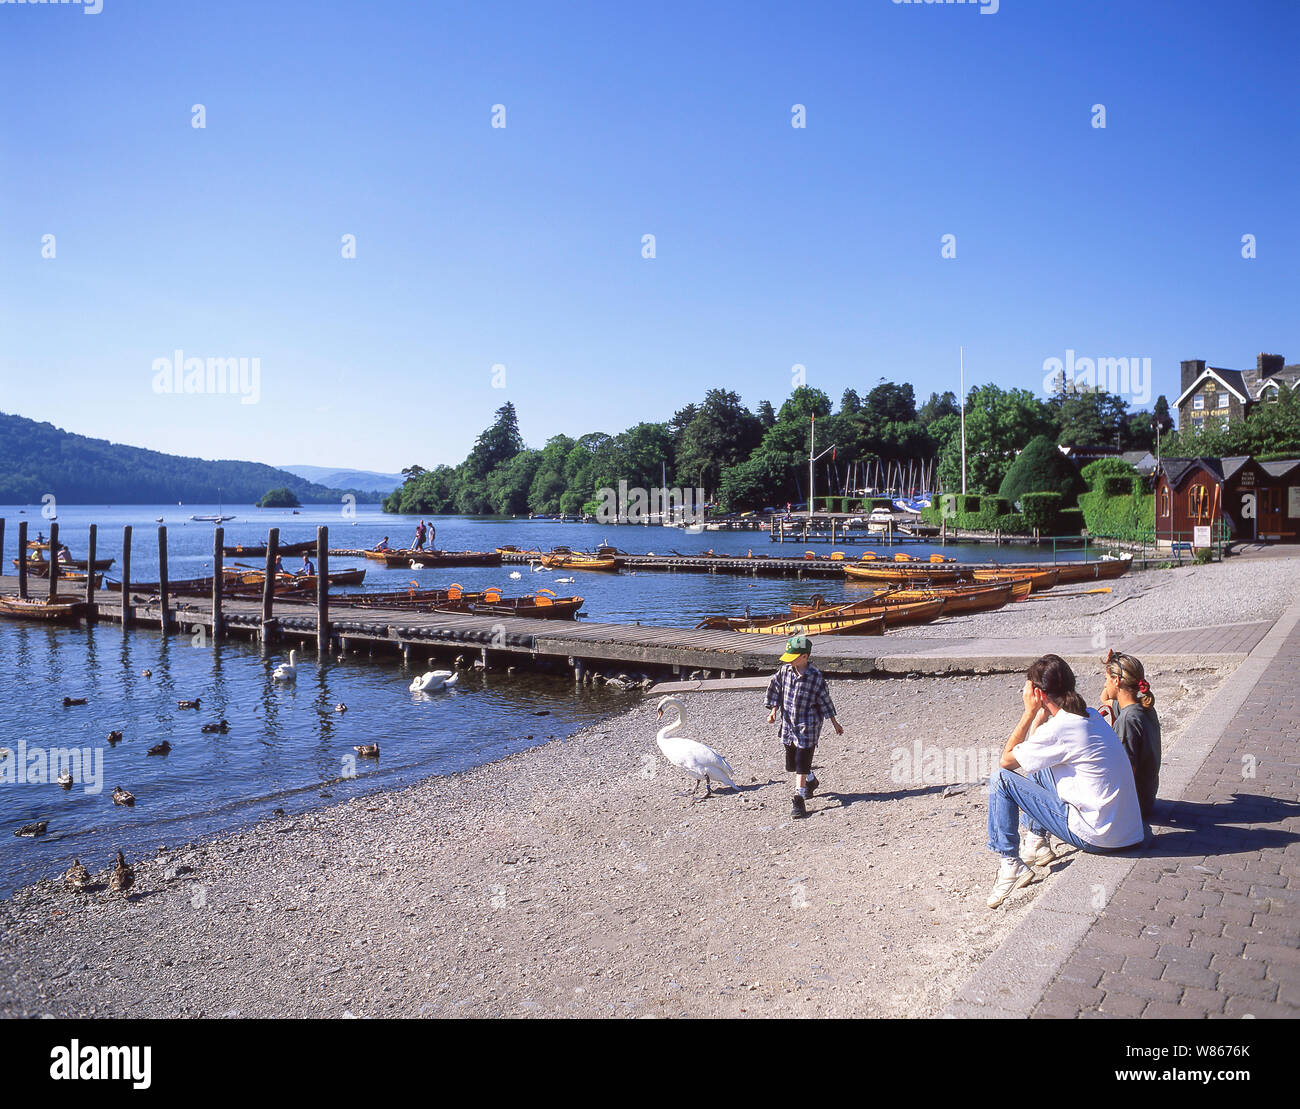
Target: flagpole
962, 356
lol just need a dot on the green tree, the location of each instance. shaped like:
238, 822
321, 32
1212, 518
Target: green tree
722, 433
280, 497
1042, 468
999, 422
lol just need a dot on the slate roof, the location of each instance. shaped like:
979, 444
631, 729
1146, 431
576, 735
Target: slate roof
1177, 470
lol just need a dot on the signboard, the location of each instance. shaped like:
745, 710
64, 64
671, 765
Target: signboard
1200, 536
1293, 501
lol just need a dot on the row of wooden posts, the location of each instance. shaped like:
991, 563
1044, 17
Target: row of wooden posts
218, 577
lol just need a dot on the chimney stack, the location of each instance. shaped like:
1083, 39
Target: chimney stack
1192, 369
1269, 364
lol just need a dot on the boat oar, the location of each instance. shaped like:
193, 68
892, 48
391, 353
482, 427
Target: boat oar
1078, 593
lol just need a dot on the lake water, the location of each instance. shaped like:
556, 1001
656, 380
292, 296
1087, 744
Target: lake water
287, 748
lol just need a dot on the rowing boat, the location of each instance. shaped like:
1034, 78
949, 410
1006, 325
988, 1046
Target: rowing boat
1040, 578
408, 559
906, 572
41, 609
871, 624
960, 599
1101, 569
304, 548
571, 561
70, 563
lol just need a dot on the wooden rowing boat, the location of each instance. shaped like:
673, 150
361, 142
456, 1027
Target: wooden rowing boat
571, 561
424, 560
1100, 569
962, 599
41, 609
70, 563
1040, 578
906, 572
306, 547
870, 624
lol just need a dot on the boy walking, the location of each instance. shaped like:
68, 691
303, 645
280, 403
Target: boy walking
800, 693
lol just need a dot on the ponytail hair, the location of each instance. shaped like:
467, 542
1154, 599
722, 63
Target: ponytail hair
1131, 677
1052, 674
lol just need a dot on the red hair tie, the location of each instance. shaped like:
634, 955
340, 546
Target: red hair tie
1143, 687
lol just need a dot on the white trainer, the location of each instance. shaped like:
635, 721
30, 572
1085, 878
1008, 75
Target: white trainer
1037, 850
1012, 874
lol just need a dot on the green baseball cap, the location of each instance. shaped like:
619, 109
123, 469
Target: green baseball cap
795, 646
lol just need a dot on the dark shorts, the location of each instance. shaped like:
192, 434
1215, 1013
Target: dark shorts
798, 760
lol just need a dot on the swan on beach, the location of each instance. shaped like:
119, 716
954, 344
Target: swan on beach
699, 760
287, 671
433, 680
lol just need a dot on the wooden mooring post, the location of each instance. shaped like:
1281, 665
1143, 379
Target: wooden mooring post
53, 560
164, 618
218, 580
90, 573
268, 586
126, 577
22, 559
322, 591
2, 546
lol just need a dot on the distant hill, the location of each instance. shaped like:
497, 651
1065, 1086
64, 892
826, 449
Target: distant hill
346, 479
39, 458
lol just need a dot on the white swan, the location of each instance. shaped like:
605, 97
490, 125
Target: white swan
699, 760
414, 565
287, 671
536, 567
433, 680
565, 581
516, 575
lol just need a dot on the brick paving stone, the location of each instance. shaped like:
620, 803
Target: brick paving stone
1214, 932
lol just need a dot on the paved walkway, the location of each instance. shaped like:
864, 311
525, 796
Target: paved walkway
1206, 921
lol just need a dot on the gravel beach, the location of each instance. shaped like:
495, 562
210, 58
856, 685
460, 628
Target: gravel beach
575, 879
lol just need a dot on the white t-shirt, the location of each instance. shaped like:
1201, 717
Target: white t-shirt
1092, 775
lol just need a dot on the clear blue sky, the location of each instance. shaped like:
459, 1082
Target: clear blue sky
522, 246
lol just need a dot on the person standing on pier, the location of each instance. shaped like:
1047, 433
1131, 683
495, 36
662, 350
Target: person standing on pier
419, 536
433, 536
798, 691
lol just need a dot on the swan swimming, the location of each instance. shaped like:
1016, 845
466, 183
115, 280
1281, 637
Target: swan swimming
515, 575
565, 581
433, 680
287, 671
699, 760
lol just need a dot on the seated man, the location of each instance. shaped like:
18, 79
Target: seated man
1080, 786
382, 545
306, 570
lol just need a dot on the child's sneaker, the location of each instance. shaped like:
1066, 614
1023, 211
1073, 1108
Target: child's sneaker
810, 784
798, 810
1037, 850
1012, 874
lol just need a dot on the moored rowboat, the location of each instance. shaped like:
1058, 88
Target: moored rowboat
40, 609
1040, 579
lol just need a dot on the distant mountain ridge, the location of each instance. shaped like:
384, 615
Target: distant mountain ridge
344, 479
39, 458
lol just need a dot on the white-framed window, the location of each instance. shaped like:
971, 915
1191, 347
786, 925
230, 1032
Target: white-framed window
1198, 401
1223, 400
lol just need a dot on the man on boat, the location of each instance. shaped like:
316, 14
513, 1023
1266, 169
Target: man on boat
800, 693
382, 545
1076, 784
307, 569
419, 536
433, 536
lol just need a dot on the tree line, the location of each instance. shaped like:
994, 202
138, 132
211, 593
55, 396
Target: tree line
747, 460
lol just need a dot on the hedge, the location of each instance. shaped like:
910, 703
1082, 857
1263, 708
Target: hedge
1042, 511
1131, 518
982, 514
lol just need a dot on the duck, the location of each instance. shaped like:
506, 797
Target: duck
433, 680
515, 575
340, 707
220, 726
65, 779
146, 673
699, 760
68, 702
35, 828
368, 750
122, 796
114, 738
162, 748
77, 876
287, 671
188, 704
122, 878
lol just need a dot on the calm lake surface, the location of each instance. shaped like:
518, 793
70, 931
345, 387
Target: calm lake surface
287, 748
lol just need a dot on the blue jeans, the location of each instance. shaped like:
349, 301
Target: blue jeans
1010, 794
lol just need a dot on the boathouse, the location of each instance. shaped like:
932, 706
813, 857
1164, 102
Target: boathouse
1258, 501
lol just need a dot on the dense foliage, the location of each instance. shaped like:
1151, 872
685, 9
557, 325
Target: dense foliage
39, 458
1271, 429
280, 497
1042, 468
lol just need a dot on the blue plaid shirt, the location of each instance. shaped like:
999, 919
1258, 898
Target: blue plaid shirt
805, 701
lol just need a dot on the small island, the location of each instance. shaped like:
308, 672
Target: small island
279, 497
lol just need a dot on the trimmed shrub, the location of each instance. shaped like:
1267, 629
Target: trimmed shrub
1106, 467
1042, 468
1115, 485
966, 503
1041, 511
1131, 518
1070, 521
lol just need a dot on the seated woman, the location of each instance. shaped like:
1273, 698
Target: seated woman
1130, 706
1079, 786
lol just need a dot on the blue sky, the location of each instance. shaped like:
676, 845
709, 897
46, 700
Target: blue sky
522, 246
